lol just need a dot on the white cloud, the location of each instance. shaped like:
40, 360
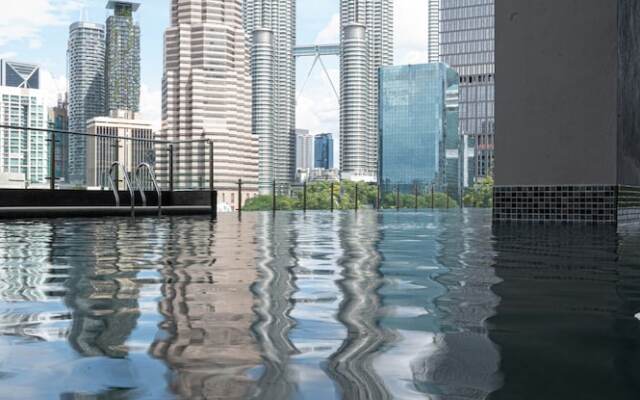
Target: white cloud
410, 35
150, 105
26, 19
331, 32
9, 55
53, 87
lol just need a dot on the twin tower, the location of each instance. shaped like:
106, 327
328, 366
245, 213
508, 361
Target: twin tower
366, 43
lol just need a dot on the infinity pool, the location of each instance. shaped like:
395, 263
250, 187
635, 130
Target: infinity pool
397, 305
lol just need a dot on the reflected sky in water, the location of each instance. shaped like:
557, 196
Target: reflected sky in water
397, 305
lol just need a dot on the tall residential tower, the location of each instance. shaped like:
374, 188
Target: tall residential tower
122, 70
271, 30
367, 44
206, 94
86, 61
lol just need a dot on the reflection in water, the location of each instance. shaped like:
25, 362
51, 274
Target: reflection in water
207, 304
273, 291
396, 305
565, 324
352, 364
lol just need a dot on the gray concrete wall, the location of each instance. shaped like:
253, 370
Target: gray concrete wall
629, 93
556, 92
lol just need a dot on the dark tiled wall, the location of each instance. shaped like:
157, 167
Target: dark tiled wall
568, 204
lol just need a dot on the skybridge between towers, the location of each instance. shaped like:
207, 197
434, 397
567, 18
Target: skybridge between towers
318, 51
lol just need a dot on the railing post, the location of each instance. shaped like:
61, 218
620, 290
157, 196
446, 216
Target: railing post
356, 197
378, 198
397, 197
171, 167
274, 199
240, 196
416, 193
52, 163
447, 201
304, 197
212, 192
433, 198
332, 196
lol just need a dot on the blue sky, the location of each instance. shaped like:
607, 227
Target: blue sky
39, 35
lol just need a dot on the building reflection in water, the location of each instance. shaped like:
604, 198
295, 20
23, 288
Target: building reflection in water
351, 365
565, 325
207, 304
273, 290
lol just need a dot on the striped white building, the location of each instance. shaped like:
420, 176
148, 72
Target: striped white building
206, 94
367, 45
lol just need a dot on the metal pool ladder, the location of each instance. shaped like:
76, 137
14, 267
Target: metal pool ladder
114, 185
138, 180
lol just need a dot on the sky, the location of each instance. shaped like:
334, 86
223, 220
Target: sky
40, 36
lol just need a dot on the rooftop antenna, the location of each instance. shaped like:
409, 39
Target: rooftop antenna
84, 13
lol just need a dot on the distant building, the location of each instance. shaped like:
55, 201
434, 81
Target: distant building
59, 120
323, 151
19, 75
24, 155
122, 68
466, 43
206, 94
366, 37
413, 125
101, 152
304, 149
270, 26
86, 66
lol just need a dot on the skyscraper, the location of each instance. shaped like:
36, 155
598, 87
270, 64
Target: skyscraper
207, 95
415, 106
59, 120
323, 151
271, 30
304, 150
122, 69
86, 64
433, 27
467, 44
367, 44
23, 154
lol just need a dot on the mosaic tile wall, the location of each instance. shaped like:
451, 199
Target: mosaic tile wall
628, 204
565, 204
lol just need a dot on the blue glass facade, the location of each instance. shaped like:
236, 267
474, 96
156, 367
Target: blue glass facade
417, 114
323, 151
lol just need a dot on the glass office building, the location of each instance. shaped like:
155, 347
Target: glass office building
417, 114
323, 151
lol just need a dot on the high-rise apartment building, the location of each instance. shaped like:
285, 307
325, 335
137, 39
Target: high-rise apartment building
207, 95
122, 68
467, 40
24, 154
367, 44
433, 31
86, 67
103, 151
271, 30
417, 115
304, 150
323, 151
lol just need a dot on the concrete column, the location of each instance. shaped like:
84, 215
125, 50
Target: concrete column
567, 101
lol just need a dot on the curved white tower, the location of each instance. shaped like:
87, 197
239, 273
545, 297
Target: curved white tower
277, 142
355, 107
263, 110
359, 122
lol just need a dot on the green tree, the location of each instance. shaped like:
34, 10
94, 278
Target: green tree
480, 194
